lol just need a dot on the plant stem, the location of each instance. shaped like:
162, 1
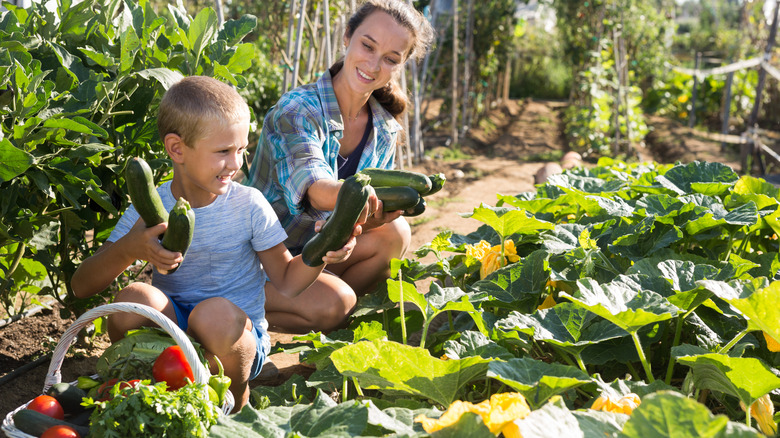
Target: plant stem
734, 341
578, 358
677, 336
344, 389
642, 357
401, 303
357, 387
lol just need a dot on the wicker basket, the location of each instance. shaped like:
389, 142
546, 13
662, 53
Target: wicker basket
54, 376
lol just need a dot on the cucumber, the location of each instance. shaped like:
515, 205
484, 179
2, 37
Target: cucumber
396, 178
178, 236
69, 397
397, 198
337, 230
437, 183
143, 193
35, 423
417, 210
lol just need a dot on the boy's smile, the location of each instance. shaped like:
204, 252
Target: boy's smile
205, 169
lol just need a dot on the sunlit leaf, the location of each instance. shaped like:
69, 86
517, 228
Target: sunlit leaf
401, 369
746, 378
537, 380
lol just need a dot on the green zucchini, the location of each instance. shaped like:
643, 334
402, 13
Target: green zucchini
337, 230
35, 423
397, 198
417, 210
178, 236
143, 192
437, 183
69, 397
396, 178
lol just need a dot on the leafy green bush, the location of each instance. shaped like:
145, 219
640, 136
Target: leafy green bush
82, 84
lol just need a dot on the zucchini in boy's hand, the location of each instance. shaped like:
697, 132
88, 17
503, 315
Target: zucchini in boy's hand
143, 192
178, 236
352, 197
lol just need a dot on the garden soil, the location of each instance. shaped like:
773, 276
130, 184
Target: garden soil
520, 141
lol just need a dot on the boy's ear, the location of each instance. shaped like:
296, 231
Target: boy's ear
174, 146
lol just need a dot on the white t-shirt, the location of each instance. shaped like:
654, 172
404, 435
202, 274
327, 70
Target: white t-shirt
222, 259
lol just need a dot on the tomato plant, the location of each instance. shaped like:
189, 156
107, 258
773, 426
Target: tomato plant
47, 405
172, 368
60, 431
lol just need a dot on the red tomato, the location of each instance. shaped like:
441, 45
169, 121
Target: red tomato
60, 431
48, 405
171, 367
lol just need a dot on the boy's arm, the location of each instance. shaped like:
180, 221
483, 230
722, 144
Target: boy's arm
98, 271
290, 275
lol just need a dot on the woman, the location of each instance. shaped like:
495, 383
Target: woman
323, 132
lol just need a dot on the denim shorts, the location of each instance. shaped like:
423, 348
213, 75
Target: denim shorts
182, 315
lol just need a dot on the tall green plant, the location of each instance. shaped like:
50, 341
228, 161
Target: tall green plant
82, 83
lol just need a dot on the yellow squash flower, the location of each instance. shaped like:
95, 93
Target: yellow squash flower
547, 303
497, 413
771, 344
490, 257
763, 411
622, 405
478, 251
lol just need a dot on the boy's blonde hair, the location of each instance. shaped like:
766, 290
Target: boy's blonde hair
191, 103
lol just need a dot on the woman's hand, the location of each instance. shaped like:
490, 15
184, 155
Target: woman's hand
373, 215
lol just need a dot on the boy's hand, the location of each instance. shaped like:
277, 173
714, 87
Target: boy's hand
147, 245
340, 255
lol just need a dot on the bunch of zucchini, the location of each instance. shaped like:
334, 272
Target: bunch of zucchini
147, 202
404, 189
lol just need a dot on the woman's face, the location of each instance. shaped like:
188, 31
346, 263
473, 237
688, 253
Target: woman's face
376, 51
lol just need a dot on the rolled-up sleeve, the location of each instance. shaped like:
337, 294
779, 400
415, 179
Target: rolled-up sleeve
297, 144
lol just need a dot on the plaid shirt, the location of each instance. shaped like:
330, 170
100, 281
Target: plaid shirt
299, 144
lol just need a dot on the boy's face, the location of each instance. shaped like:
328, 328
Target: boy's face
208, 166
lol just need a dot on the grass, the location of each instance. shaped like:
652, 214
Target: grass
452, 153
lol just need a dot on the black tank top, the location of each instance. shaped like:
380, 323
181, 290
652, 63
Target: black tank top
348, 166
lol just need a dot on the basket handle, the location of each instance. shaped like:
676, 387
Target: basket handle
54, 375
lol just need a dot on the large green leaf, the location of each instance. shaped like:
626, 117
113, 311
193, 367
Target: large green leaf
474, 343
669, 414
760, 305
508, 221
746, 378
520, 283
537, 380
566, 325
627, 308
699, 177
13, 161
395, 368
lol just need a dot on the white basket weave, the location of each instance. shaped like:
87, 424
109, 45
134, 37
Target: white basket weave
53, 376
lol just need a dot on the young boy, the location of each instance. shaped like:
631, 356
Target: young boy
218, 294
